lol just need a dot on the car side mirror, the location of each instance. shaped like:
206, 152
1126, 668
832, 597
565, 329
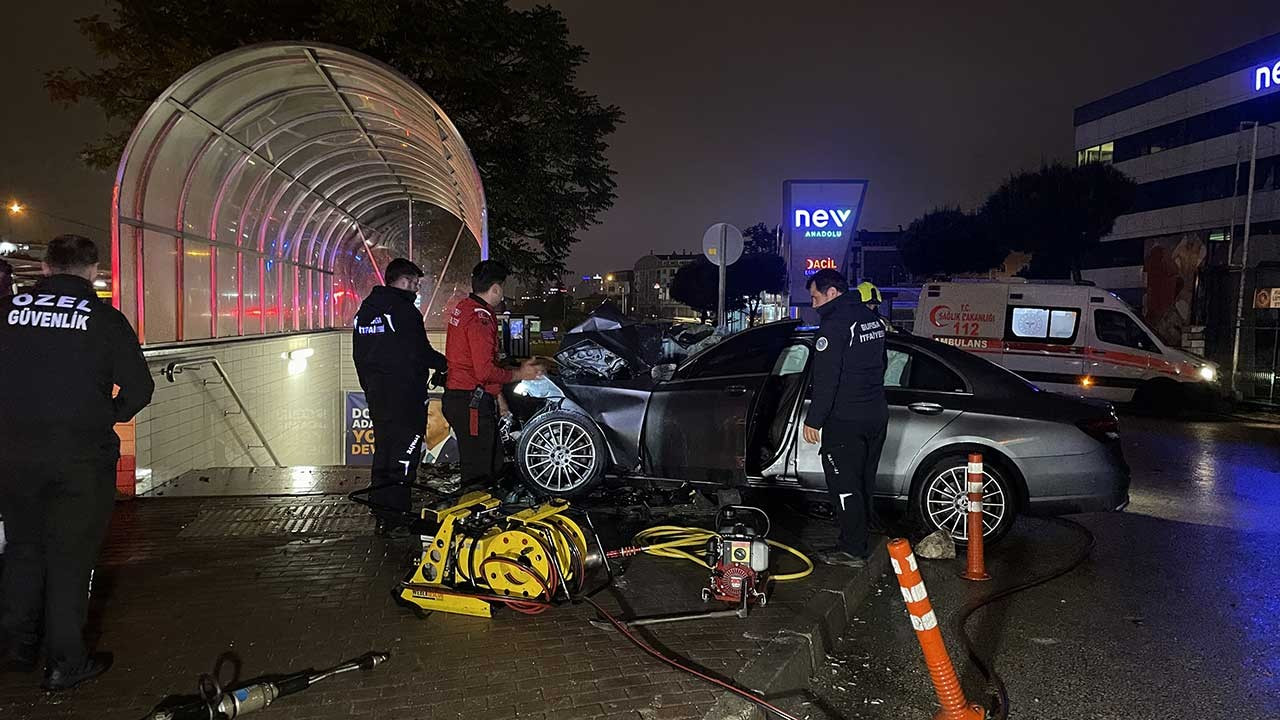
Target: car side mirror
663, 373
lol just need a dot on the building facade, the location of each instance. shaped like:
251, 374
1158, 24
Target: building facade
589, 291
874, 256
652, 287
1203, 145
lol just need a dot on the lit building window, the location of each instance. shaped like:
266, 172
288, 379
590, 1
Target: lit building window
1098, 153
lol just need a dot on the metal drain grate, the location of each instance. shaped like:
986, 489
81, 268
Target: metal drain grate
292, 518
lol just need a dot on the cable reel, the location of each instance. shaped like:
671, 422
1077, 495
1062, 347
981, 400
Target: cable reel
475, 555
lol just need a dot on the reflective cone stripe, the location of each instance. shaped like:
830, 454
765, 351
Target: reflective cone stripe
977, 565
945, 683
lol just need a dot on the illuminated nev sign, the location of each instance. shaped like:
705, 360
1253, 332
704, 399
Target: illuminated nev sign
822, 222
1264, 76
820, 218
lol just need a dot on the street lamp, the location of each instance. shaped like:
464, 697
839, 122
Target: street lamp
17, 208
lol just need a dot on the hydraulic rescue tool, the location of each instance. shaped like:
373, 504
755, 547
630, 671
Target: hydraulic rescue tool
216, 704
475, 554
736, 555
739, 556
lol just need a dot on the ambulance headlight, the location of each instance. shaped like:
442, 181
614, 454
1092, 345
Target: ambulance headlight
1209, 373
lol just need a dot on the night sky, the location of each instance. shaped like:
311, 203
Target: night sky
934, 103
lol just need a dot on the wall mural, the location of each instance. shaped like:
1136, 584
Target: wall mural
1171, 264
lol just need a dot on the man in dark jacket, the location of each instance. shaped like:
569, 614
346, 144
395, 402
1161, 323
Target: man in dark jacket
849, 413
393, 360
6, 279
474, 389
64, 351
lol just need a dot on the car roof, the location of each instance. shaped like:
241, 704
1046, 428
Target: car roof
985, 377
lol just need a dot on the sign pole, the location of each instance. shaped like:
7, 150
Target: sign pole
724, 231
722, 244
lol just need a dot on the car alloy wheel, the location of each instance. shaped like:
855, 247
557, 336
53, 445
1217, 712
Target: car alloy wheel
561, 454
945, 501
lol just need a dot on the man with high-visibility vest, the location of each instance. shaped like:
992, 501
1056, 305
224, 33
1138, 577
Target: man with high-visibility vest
871, 297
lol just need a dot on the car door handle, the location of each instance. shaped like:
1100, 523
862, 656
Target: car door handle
925, 408
736, 390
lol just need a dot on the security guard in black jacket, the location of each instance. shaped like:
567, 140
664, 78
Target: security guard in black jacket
393, 360
62, 350
849, 413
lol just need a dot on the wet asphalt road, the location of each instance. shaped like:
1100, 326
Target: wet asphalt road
1174, 615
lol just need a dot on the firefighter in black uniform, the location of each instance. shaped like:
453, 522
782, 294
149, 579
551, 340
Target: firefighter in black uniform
62, 350
849, 413
394, 360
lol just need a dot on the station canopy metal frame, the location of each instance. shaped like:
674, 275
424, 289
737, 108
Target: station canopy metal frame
265, 189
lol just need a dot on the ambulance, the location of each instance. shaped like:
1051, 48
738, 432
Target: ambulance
1071, 338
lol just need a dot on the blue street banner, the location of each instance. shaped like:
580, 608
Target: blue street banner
357, 431
358, 439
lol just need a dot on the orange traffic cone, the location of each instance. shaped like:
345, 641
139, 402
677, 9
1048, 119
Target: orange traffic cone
977, 565
945, 682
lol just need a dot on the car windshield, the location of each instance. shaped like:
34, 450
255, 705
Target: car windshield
752, 351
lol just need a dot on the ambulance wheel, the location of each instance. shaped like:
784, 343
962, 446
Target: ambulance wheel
561, 454
941, 500
1160, 397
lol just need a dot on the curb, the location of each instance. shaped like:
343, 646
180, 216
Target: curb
789, 660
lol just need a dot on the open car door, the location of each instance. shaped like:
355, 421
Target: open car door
698, 423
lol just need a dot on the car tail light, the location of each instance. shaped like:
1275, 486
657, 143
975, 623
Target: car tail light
1105, 430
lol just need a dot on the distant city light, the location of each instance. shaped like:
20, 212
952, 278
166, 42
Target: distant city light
15, 207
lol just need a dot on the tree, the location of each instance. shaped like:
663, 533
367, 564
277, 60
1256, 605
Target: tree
1057, 213
753, 274
760, 239
949, 240
697, 284
504, 76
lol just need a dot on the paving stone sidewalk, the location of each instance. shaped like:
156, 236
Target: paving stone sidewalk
288, 583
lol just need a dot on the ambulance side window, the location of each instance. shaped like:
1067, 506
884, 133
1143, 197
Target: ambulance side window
1043, 324
1117, 328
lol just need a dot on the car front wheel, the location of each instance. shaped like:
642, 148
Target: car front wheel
561, 454
942, 501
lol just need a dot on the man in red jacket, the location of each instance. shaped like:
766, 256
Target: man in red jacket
475, 380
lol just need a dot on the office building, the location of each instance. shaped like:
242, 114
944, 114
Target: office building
1192, 140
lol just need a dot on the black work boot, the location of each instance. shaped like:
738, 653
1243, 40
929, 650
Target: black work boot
67, 677
21, 657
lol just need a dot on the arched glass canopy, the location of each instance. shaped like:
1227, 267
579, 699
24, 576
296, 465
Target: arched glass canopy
265, 189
